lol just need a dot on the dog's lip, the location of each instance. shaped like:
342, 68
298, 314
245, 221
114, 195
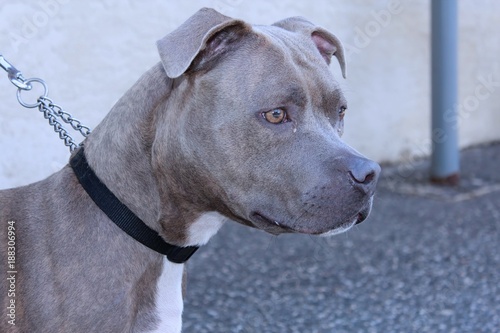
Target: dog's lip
274, 225
358, 218
363, 214
271, 222
361, 217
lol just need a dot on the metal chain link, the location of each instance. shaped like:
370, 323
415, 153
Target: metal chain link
45, 105
51, 111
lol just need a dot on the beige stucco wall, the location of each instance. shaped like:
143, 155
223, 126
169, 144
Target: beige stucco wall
91, 51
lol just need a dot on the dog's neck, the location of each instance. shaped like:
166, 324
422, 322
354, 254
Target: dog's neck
121, 157
120, 153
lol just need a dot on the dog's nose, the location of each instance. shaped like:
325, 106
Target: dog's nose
365, 174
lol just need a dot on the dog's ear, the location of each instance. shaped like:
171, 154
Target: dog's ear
327, 43
199, 41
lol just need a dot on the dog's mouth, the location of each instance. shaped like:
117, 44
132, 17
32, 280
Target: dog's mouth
274, 226
361, 216
269, 225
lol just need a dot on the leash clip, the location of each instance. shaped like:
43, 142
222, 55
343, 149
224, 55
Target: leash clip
50, 110
15, 76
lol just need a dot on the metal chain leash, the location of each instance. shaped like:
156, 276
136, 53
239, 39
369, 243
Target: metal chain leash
45, 105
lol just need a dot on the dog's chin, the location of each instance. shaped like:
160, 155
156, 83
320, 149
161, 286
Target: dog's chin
275, 227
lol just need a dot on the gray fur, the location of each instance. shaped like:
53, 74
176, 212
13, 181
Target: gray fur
188, 138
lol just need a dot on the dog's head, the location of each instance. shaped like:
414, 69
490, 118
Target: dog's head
262, 129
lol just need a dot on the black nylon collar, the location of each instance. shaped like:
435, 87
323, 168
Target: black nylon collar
122, 216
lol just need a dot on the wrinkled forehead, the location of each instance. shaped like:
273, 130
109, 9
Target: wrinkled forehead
298, 57
297, 45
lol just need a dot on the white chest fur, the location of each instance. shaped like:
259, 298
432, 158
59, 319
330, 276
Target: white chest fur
169, 303
204, 228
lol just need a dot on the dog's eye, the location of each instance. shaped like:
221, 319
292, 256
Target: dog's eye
275, 116
342, 111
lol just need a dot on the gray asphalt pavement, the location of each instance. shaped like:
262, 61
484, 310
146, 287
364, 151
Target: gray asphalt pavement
427, 260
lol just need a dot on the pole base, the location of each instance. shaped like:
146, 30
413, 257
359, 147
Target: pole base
451, 180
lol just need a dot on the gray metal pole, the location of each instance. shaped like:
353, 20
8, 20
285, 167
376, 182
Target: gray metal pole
445, 164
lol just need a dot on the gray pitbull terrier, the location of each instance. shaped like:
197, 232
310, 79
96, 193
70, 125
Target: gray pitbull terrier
236, 122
